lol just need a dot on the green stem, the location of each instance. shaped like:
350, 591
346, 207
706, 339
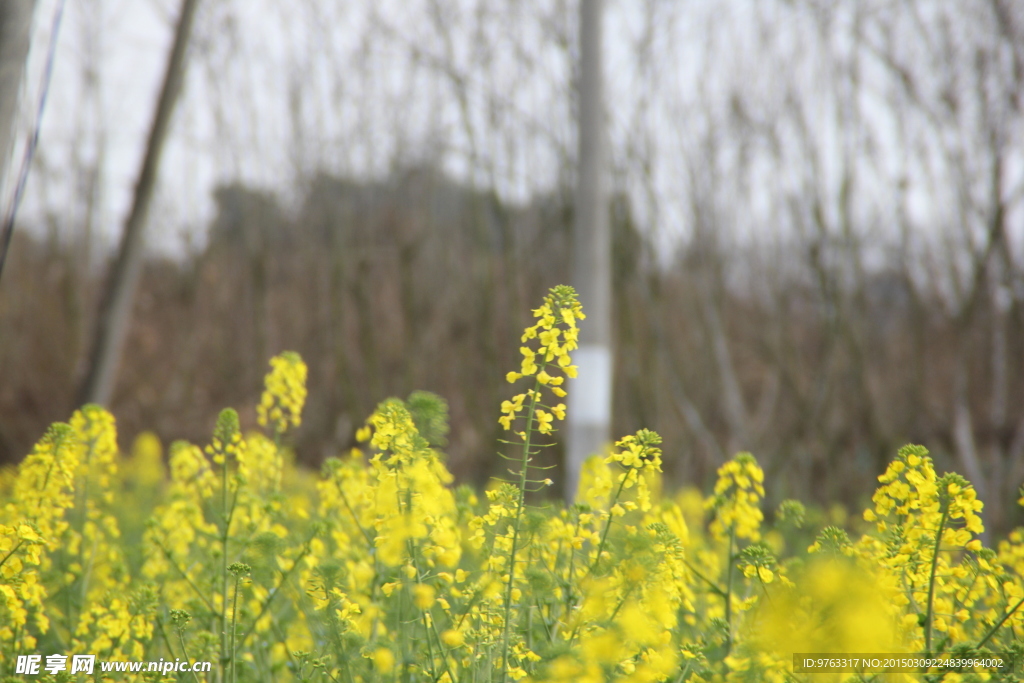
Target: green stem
224, 656
348, 506
728, 589
444, 654
234, 619
199, 593
611, 617
999, 625
366, 535
184, 652
682, 674
929, 612
273, 593
714, 587
13, 550
82, 501
163, 634
571, 573
430, 626
516, 526
625, 596
608, 524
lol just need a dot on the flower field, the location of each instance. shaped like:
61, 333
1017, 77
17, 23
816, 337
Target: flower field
379, 569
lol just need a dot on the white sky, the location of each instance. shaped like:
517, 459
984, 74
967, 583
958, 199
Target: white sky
276, 90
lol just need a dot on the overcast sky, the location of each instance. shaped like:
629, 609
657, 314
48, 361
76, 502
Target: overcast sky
276, 90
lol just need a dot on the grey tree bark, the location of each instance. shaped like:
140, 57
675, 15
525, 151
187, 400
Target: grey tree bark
116, 306
590, 395
15, 35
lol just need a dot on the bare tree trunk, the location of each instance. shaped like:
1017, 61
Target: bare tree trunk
963, 431
116, 306
590, 396
733, 404
15, 34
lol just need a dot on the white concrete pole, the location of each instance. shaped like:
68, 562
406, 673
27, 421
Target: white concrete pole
590, 395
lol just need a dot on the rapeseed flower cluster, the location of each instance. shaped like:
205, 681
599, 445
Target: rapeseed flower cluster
738, 492
281, 403
546, 358
926, 540
381, 569
832, 605
114, 617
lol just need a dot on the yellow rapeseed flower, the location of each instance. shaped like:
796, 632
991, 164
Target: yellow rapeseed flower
546, 357
738, 492
285, 393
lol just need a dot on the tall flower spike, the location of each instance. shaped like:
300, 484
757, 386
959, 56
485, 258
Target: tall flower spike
639, 451
736, 502
285, 394
545, 351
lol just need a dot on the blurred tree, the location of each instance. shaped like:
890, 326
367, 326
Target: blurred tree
827, 259
15, 34
116, 306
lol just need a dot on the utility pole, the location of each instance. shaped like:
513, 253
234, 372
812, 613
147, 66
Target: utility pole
590, 394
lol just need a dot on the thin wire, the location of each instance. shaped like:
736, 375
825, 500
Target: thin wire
30, 149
